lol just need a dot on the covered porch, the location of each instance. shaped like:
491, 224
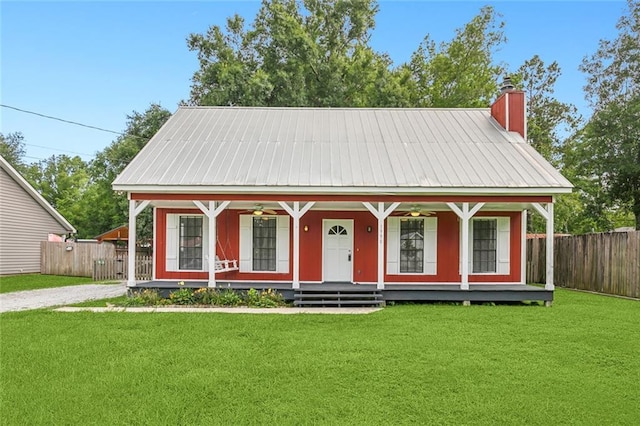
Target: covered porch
376, 211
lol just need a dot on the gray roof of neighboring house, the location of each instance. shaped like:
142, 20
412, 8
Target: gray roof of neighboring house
338, 149
16, 176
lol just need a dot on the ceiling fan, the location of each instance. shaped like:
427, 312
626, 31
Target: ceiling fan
415, 211
259, 210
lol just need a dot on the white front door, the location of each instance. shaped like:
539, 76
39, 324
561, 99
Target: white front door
337, 252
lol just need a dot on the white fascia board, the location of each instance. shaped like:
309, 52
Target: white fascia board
342, 190
36, 195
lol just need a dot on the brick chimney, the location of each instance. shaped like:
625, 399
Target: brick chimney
509, 109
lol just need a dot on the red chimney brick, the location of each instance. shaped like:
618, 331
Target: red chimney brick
509, 110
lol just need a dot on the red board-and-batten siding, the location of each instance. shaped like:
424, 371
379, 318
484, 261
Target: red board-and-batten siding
364, 248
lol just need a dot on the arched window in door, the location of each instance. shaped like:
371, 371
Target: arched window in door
337, 230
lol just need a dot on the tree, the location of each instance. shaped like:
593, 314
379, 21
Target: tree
63, 182
613, 71
462, 72
110, 209
611, 139
296, 53
12, 149
549, 121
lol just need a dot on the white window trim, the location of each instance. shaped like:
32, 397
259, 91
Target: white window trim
282, 245
426, 260
205, 242
499, 246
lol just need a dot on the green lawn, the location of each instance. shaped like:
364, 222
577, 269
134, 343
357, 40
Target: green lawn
11, 283
575, 363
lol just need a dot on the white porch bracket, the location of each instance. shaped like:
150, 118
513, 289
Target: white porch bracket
296, 213
465, 214
135, 209
212, 212
381, 214
547, 214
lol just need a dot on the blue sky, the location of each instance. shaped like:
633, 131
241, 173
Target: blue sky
96, 62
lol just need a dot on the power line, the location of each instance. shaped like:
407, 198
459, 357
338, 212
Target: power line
61, 150
62, 120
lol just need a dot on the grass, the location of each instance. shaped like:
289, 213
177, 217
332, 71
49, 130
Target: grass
10, 283
576, 362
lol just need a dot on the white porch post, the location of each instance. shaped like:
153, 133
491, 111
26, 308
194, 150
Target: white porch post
548, 215
465, 214
381, 214
523, 248
464, 285
212, 213
134, 211
296, 213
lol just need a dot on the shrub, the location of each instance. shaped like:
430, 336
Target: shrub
253, 297
182, 296
146, 297
134, 300
229, 298
264, 299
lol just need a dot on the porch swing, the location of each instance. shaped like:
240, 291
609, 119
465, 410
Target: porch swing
225, 265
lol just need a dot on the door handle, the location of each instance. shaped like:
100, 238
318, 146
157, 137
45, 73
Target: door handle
349, 257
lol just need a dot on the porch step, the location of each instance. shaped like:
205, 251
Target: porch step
328, 296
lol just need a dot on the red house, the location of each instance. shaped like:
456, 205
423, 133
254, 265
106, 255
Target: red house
396, 198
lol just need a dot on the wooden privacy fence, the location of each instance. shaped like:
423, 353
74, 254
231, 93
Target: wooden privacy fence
72, 259
605, 263
116, 268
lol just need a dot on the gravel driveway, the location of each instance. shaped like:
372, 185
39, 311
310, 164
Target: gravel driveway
43, 298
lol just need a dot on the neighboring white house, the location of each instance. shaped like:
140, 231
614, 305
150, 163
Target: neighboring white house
26, 219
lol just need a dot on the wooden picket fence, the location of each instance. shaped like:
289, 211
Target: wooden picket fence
605, 263
116, 268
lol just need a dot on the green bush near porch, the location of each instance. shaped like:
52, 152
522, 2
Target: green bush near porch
574, 363
206, 297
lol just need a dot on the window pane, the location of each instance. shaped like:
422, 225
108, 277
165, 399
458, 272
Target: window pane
485, 244
264, 243
190, 243
412, 245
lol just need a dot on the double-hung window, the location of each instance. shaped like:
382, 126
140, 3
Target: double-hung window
489, 245
412, 245
186, 243
190, 243
264, 244
485, 245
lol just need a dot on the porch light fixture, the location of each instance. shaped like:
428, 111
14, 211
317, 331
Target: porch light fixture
306, 228
257, 212
415, 213
369, 229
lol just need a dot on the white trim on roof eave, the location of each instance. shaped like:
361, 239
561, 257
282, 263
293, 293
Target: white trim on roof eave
342, 190
15, 175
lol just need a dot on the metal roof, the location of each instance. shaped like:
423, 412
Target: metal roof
330, 149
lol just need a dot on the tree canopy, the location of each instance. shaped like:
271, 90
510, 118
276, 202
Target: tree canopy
610, 141
317, 53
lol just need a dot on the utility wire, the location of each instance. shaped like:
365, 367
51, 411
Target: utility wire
75, 123
62, 120
61, 150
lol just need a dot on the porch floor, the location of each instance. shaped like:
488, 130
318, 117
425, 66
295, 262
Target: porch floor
392, 292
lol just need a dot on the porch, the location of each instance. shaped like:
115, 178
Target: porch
348, 294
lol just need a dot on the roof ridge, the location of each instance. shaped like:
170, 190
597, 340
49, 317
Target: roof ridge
331, 108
